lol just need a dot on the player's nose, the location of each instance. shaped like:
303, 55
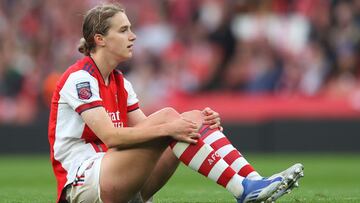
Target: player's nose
132, 36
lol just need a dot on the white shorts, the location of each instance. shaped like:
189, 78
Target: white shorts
86, 186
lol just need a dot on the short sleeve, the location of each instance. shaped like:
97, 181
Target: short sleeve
81, 91
132, 101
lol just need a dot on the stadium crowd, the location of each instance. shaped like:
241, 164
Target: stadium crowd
280, 47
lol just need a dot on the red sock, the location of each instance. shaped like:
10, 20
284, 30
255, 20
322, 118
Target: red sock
202, 158
218, 141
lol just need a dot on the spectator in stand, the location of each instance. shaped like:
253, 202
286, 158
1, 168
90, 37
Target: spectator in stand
313, 42
345, 43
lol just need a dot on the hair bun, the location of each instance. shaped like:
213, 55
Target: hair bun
82, 47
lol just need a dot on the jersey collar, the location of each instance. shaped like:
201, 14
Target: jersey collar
97, 71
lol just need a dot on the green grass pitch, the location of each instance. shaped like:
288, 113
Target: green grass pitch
328, 178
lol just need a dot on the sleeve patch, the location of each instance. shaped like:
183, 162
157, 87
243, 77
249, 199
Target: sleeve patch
84, 90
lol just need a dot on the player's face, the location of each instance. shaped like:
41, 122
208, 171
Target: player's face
120, 39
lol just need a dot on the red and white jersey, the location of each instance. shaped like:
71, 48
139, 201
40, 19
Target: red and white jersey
81, 88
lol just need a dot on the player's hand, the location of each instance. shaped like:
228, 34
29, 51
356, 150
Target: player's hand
212, 118
184, 130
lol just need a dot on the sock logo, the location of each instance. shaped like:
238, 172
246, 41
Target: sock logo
214, 156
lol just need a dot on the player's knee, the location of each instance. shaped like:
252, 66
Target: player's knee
194, 115
169, 113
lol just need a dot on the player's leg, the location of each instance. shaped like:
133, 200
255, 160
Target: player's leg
202, 158
216, 139
121, 177
164, 169
124, 172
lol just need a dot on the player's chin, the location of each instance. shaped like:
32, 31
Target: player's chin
130, 54
127, 56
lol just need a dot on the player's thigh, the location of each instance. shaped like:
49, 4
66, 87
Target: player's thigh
169, 114
124, 172
162, 172
164, 115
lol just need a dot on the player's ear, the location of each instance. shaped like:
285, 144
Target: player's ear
99, 39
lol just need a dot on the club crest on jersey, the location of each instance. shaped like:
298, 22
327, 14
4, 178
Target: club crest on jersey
84, 90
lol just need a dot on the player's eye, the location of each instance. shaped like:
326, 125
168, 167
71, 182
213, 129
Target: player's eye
123, 29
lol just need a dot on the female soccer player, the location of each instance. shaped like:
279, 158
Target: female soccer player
104, 149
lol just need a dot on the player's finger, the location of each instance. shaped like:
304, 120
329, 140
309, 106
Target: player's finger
210, 111
207, 111
195, 135
210, 117
191, 140
213, 121
216, 125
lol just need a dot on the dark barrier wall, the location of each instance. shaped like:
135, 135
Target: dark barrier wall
24, 139
297, 136
272, 136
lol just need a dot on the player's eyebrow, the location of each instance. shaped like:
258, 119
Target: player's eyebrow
125, 27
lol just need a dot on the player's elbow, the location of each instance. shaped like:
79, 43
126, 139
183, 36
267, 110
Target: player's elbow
109, 143
116, 141
108, 138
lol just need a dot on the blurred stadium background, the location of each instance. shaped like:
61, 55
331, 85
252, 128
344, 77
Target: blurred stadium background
284, 74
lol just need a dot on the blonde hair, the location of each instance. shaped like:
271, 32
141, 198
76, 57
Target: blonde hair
96, 21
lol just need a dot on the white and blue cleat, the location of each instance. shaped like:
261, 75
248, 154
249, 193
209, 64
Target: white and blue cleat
260, 190
291, 177
271, 188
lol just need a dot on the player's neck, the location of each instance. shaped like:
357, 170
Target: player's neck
105, 65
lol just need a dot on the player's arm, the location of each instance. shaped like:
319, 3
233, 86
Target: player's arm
101, 124
136, 117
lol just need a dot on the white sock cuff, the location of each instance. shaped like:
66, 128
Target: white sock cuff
254, 176
235, 185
